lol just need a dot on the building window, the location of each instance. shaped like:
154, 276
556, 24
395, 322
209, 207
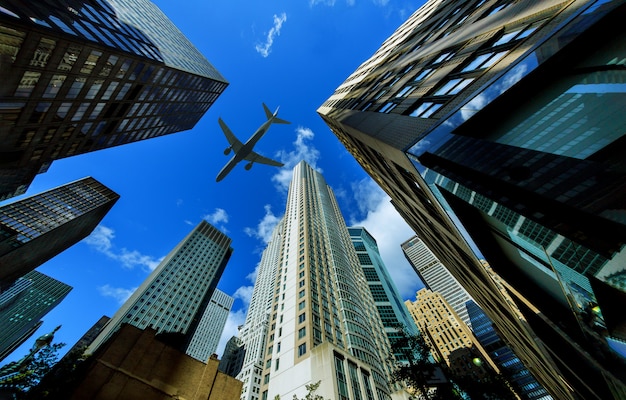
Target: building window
301, 333
425, 109
342, 384
301, 349
301, 318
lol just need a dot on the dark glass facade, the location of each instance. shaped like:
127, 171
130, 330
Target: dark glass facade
509, 115
37, 228
22, 306
80, 76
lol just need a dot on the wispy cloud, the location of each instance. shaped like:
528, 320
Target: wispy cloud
384, 223
218, 218
265, 48
119, 294
303, 150
101, 240
234, 320
265, 227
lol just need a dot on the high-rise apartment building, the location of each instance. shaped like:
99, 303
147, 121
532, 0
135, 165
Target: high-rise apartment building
84, 75
391, 308
509, 113
323, 323
23, 304
207, 335
448, 337
37, 228
253, 333
175, 296
436, 276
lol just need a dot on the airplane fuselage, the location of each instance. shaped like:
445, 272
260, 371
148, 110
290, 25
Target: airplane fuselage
245, 150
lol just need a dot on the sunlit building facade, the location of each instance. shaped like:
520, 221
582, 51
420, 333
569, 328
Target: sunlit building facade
323, 323
37, 228
84, 75
175, 296
508, 115
23, 304
436, 276
207, 334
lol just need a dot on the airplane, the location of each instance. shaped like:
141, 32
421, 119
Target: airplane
244, 151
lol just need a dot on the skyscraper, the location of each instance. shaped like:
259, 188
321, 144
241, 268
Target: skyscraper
22, 306
508, 114
448, 337
175, 296
253, 333
207, 335
84, 75
323, 322
37, 228
390, 306
436, 276
510, 365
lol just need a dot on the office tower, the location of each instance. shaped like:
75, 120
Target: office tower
448, 337
253, 333
175, 296
207, 335
324, 326
84, 75
232, 359
508, 115
510, 366
436, 276
390, 306
23, 304
37, 228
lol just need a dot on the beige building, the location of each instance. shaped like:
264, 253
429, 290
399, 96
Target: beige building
134, 364
448, 337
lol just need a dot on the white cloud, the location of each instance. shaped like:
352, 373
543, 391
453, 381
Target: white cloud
266, 48
234, 320
219, 215
384, 223
265, 227
101, 240
303, 151
244, 293
119, 294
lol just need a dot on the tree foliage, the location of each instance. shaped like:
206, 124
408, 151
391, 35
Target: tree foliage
35, 369
310, 393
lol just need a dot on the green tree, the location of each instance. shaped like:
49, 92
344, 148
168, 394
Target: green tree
417, 370
310, 393
34, 370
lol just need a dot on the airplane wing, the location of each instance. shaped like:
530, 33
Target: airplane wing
232, 140
257, 158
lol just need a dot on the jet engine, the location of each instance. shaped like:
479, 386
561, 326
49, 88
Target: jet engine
248, 166
226, 151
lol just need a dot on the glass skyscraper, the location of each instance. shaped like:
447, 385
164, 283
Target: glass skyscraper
207, 335
23, 304
84, 75
175, 296
39, 227
509, 115
322, 323
390, 306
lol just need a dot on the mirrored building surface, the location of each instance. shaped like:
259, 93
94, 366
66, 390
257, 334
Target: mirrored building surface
508, 116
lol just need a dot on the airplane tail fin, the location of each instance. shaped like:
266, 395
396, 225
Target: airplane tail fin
274, 116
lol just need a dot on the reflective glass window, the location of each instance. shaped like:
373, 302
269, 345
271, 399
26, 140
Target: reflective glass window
69, 58
42, 52
27, 83
53, 87
90, 62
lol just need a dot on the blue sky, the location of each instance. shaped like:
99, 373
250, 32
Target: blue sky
291, 54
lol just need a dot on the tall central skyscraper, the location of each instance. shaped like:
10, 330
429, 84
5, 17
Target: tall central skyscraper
84, 75
322, 323
507, 116
174, 298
